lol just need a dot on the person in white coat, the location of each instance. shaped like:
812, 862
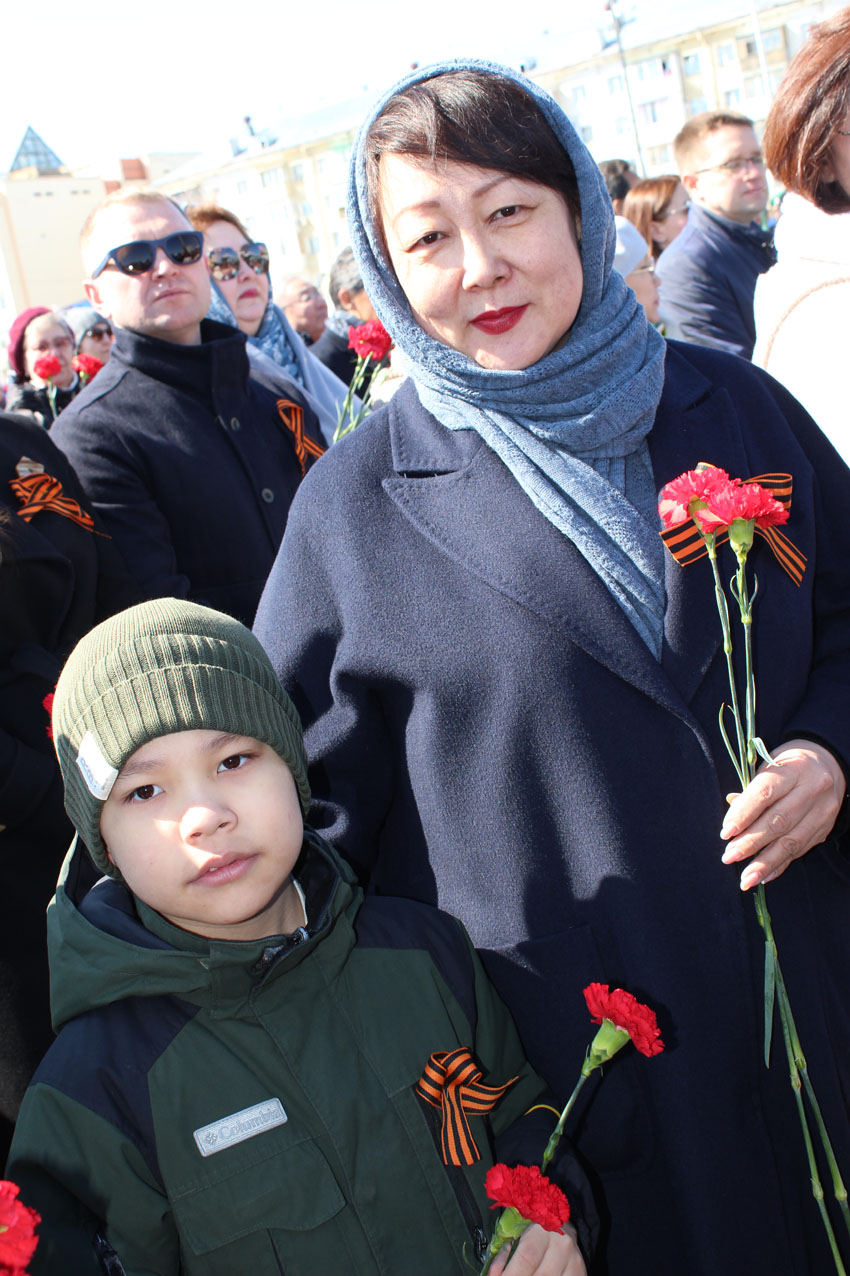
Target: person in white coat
802, 303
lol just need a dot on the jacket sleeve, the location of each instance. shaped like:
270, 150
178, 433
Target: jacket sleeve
93, 1190
525, 1117
113, 475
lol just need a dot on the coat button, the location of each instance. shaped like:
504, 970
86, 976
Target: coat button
234, 423
267, 494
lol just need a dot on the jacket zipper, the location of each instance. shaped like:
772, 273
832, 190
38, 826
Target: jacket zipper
463, 1192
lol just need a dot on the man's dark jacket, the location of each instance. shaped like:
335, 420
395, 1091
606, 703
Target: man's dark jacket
191, 464
708, 277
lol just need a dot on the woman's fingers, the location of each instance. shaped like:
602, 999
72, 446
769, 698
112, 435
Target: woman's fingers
787, 809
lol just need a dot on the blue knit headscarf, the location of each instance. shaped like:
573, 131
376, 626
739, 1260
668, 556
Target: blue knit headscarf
571, 428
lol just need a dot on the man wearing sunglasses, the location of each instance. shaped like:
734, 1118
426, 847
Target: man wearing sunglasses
708, 274
190, 458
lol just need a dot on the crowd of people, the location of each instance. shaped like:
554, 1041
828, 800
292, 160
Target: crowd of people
263, 948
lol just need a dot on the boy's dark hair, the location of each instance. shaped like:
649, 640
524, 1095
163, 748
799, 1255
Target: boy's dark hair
470, 117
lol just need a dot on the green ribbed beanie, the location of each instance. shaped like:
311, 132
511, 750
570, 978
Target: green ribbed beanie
164, 666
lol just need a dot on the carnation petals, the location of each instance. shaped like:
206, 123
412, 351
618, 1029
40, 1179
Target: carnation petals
370, 340
18, 1222
715, 501
47, 367
528, 1191
627, 1014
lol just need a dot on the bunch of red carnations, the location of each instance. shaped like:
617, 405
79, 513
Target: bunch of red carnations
525, 1193
700, 510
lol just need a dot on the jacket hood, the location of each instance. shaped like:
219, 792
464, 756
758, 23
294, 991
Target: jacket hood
105, 945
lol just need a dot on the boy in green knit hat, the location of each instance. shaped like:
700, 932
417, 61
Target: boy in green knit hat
238, 1085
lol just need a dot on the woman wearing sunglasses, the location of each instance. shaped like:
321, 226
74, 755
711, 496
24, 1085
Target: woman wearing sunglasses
241, 297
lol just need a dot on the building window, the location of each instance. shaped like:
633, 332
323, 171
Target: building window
690, 64
659, 156
313, 246
241, 188
578, 93
725, 55
586, 133
753, 87
696, 106
298, 172
773, 40
651, 112
615, 84
270, 177
732, 97
623, 125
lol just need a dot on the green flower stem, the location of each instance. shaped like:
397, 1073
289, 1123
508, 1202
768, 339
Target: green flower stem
746, 606
509, 1228
346, 424
799, 1068
774, 979
723, 610
817, 1188
555, 1136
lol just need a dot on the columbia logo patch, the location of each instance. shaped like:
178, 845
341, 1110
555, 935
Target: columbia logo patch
240, 1126
98, 774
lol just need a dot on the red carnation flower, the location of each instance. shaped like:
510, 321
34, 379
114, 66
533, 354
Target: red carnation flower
17, 1231
530, 1193
370, 340
47, 367
87, 366
677, 497
627, 1014
47, 702
747, 501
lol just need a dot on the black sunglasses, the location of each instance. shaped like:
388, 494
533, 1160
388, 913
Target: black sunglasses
224, 262
137, 258
99, 331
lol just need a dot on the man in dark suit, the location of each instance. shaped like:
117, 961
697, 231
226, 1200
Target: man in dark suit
708, 274
190, 458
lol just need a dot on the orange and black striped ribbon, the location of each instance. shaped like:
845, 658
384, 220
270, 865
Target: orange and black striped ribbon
38, 492
686, 544
292, 416
452, 1081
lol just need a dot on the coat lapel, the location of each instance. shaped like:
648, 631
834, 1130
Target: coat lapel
696, 421
466, 503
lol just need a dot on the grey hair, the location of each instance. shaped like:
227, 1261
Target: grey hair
344, 275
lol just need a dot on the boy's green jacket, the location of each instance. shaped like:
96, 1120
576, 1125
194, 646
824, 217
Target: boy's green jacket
250, 1109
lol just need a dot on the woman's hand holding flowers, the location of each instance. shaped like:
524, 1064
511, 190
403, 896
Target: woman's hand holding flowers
789, 807
542, 1253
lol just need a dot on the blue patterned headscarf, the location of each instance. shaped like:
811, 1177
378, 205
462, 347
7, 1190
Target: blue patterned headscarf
572, 427
274, 336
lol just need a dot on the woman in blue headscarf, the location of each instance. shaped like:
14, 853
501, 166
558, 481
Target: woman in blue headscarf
511, 691
241, 297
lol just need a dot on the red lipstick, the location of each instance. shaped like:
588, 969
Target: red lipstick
496, 321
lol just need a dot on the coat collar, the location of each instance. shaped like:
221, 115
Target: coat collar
438, 473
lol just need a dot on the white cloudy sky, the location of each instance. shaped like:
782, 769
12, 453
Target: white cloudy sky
103, 80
